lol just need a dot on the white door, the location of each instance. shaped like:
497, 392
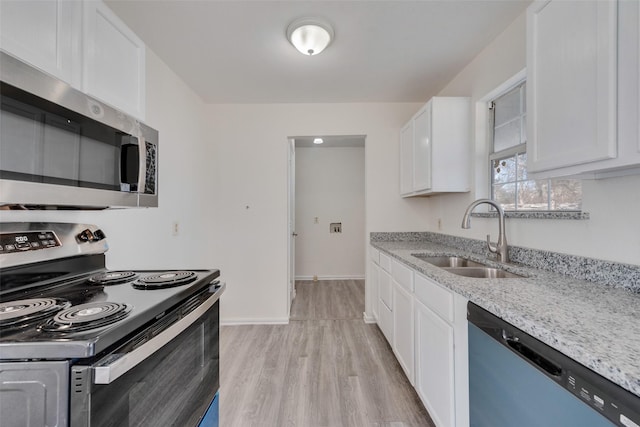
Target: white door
292, 222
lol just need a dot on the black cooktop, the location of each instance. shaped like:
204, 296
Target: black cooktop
81, 316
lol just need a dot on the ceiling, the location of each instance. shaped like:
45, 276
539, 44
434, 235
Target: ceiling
384, 51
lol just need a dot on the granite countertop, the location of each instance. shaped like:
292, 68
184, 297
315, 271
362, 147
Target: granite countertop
594, 324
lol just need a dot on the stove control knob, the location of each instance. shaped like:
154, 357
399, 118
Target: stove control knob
99, 235
85, 236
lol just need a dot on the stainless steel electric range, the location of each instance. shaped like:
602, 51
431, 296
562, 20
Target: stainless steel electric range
84, 346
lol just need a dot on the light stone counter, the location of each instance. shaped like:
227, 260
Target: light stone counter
595, 324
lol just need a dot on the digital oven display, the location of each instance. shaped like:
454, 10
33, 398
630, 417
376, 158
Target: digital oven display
29, 241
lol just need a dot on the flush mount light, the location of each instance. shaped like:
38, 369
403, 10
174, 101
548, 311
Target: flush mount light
310, 35
318, 141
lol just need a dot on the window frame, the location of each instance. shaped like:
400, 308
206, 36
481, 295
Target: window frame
503, 90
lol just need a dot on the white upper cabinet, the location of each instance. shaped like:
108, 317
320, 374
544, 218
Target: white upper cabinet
422, 149
582, 87
435, 147
80, 42
45, 34
406, 159
114, 60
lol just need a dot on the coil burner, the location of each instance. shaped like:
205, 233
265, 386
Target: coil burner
87, 316
20, 313
167, 279
112, 277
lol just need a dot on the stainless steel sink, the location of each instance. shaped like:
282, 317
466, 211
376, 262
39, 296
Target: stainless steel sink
448, 261
466, 267
482, 272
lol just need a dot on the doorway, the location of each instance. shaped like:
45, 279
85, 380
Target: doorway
326, 210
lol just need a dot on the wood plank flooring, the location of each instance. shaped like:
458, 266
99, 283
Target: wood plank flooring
328, 299
325, 368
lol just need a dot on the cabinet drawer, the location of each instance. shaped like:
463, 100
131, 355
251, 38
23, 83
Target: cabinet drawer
385, 262
434, 296
384, 288
402, 274
374, 254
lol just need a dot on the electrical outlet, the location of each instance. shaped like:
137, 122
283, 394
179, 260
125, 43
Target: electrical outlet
175, 228
335, 227
316, 221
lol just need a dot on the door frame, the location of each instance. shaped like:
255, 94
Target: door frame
291, 223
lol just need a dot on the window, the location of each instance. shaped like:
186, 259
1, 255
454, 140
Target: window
510, 185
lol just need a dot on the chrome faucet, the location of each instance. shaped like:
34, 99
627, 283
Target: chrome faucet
501, 249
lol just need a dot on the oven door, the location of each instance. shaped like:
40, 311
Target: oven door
165, 376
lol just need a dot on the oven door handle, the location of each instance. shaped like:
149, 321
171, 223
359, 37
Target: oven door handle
107, 370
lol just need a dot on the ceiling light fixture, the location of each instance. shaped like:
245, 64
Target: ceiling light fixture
310, 35
318, 141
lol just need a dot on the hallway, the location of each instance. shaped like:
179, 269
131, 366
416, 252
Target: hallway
326, 368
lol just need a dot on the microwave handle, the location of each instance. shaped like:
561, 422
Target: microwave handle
142, 175
110, 371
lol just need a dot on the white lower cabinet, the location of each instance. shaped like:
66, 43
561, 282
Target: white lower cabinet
372, 288
385, 320
426, 325
384, 288
435, 365
403, 329
441, 354
385, 294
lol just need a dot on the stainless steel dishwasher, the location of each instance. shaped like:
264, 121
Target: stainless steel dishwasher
516, 380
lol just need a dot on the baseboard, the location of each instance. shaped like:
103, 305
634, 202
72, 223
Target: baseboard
368, 318
356, 277
254, 321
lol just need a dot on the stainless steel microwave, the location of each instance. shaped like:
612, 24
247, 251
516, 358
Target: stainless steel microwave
62, 148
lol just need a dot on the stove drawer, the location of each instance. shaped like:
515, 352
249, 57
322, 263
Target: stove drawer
33, 394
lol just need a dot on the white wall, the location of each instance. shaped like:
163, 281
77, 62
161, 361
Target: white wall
612, 233
142, 238
250, 148
330, 187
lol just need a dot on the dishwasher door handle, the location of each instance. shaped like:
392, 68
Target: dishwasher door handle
514, 343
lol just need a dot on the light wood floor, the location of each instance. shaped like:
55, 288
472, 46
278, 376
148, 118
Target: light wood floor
325, 368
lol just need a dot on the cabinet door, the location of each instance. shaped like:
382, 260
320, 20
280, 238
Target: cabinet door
385, 321
435, 365
372, 288
403, 329
406, 159
114, 60
384, 288
422, 149
46, 34
571, 83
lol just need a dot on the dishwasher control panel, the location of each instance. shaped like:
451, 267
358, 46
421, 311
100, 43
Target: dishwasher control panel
601, 401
